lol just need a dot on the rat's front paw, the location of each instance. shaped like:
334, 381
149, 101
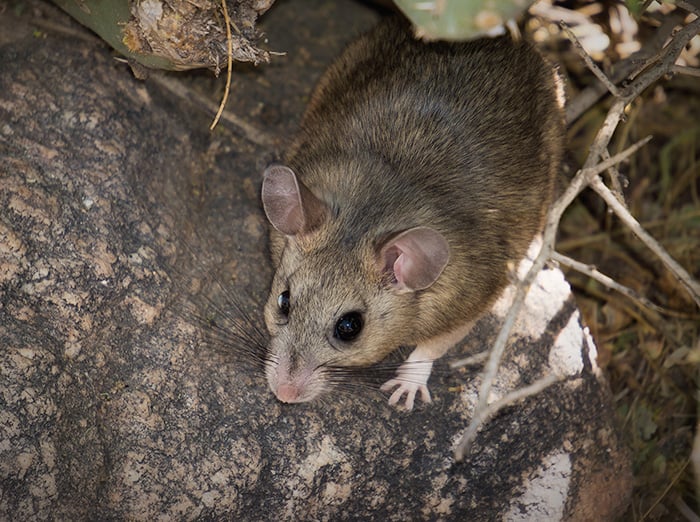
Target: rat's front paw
409, 389
411, 378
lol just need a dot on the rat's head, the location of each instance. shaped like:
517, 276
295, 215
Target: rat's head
336, 304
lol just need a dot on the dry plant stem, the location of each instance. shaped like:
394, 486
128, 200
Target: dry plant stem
663, 63
572, 243
589, 61
472, 360
615, 179
621, 211
248, 131
665, 492
575, 187
690, 6
494, 361
685, 510
589, 96
486, 413
688, 71
592, 272
602, 139
491, 369
229, 65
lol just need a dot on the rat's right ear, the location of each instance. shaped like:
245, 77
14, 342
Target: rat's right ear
414, 259
289, 206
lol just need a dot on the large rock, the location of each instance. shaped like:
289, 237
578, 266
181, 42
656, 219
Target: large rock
117, 211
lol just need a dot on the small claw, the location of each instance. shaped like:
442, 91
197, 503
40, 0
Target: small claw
425, 394
398, 394
388, 385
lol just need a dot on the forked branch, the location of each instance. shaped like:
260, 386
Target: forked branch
652, 69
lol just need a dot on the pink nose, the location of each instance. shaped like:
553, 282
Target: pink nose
287, 393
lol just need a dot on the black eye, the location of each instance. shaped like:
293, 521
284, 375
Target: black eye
348, 326
283, 302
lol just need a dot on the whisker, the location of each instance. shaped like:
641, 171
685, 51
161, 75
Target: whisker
224, 321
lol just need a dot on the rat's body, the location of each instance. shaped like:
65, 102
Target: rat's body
418, 173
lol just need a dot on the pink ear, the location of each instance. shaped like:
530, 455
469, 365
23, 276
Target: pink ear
415, 258
290, 207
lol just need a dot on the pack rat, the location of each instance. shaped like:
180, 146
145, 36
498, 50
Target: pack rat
418, 173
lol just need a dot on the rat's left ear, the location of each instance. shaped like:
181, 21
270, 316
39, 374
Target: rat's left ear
289, 206
415, 258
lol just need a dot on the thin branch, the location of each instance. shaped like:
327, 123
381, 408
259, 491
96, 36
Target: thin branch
229, 65
608, 282
484, 414
605, 133
665, 491
692, 286
681, 217
589, 173
472, 360
577, 184
582, 177
664, 61
494, 362
689, 6
239, 125
625, 68
614, 175
589, 61
684, 69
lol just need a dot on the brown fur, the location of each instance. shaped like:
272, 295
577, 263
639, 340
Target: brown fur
462, 138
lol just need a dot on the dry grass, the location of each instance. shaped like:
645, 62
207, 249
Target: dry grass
651, 357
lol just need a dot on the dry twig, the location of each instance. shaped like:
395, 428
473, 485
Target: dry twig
229, 65
665, 491
472, 360
248, 131
484, 414
494, 361
608, 282
611, 87
626, 68
653, 69
684, 277
688, 71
